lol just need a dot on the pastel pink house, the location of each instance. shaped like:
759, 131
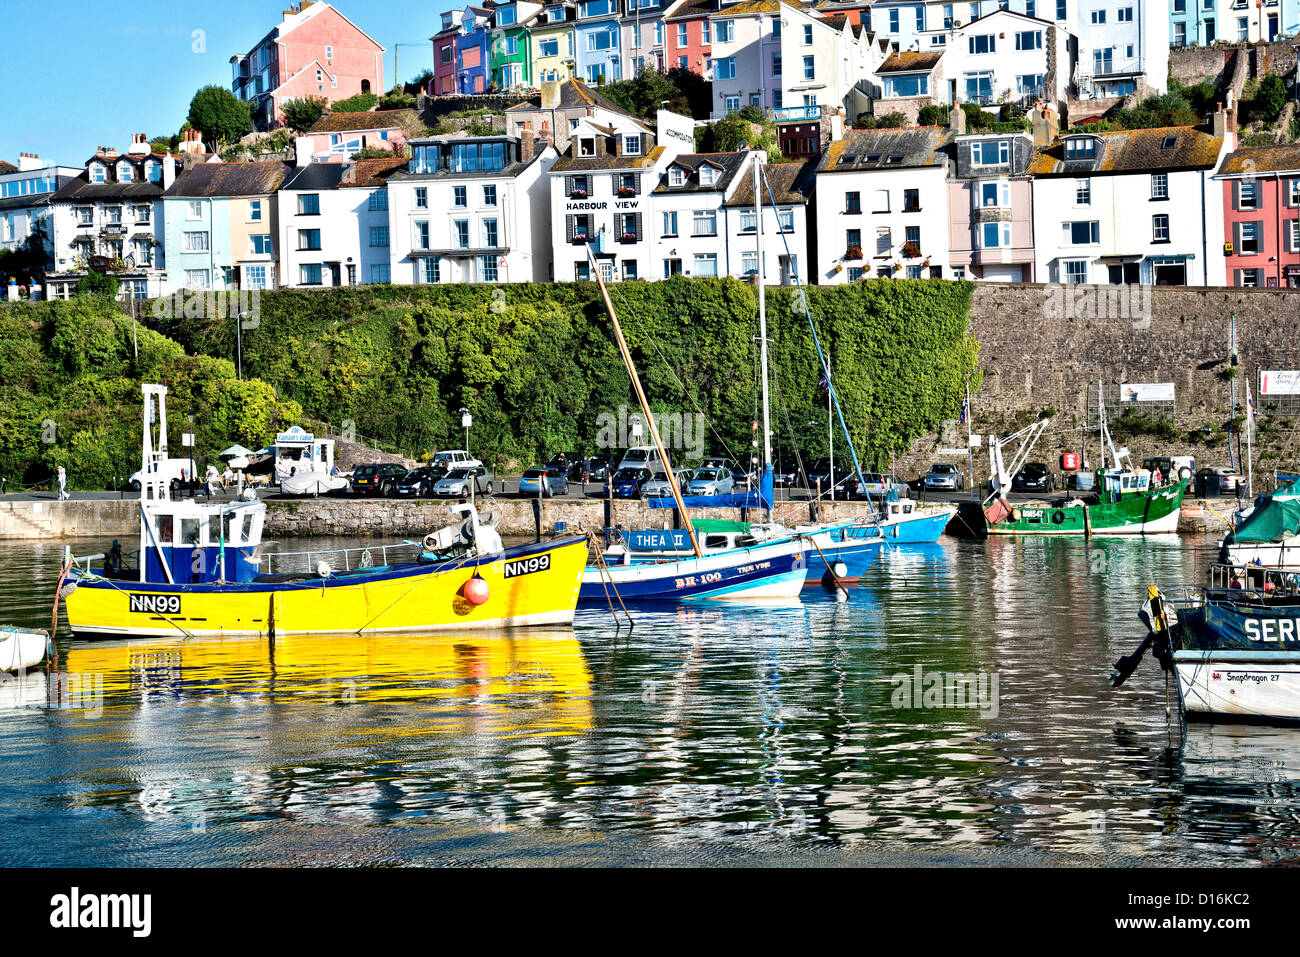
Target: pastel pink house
314, 51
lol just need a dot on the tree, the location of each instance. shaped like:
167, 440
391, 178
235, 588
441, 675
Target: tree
220, 116
396, 99
677, 89
302, 114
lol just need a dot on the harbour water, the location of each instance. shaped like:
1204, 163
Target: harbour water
708, 735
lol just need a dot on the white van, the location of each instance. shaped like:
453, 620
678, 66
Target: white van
171, 470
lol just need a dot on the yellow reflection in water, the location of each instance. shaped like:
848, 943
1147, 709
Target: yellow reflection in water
535, 682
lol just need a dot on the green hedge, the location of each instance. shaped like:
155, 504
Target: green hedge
70, 394
536, 363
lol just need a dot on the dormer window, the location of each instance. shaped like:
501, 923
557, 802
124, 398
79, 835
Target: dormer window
676, 177
97, 173
631, 146
707, 175
1080, 147
153, 171
125, 174
587, 146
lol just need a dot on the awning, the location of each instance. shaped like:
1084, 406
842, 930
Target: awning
1172, 259
1131, 258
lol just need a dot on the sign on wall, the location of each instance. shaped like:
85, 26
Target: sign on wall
1146, 392
1279, 382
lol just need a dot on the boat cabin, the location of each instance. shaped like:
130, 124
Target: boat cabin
1116, 483
185, 542
297, 450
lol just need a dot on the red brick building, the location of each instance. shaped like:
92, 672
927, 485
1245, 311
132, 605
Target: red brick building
313, 51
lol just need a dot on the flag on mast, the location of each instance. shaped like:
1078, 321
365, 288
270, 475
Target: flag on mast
1250, 411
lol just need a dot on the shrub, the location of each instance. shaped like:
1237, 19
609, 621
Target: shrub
361, 103
302, 114
933, 115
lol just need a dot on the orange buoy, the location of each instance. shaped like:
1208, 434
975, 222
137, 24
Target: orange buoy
476, 591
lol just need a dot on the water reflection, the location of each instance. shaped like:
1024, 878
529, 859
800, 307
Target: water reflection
766, 725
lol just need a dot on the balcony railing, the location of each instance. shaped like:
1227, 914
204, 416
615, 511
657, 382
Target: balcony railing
792, 113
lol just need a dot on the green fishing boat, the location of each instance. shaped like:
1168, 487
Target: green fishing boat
1127, 504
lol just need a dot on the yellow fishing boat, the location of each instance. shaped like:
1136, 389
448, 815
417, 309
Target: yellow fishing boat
200, 571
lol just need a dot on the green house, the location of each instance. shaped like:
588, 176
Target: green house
510, 57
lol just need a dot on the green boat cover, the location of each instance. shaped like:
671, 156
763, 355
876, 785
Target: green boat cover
1275, 517
716, 525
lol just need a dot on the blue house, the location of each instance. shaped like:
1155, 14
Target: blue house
596, 41
472, 50
1202, 22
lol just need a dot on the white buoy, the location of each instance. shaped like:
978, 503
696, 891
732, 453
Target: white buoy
841, 570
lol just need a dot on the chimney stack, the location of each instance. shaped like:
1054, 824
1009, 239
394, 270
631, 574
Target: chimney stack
957, 119
28, 161
139, 144
1044, 125
527, 146
169, 171
302, 151
550, 94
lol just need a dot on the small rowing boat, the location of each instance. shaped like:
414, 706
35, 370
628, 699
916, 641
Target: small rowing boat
21, 650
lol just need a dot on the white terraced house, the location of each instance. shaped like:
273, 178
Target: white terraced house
112, 213
1005, 57
600, 195
1133, 207
333, 222
25, 192
882, 206
471, 209
783, 56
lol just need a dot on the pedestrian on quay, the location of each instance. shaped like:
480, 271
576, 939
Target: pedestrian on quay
209, 477
63, 484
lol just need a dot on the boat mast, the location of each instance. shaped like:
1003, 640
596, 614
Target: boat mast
645, 404
762, 314
1232, 382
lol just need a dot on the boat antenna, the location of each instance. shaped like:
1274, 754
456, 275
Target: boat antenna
821, 356
645, 405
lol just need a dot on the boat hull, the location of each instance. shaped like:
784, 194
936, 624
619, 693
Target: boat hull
529, 585
20, 650
1247, 685
856, 546
1284, 555
1145, 514
773, 571
920, 527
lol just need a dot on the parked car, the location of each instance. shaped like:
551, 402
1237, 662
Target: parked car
1172, 468
1033, 477
658, 486
570, 460
597, 467
458, 482
944, 476
455, 459
172, 469
1219, 480
418, 483
875, 485
550, 480
627, 483
820, 471
641, 457
711, 481
784, 479
377, 479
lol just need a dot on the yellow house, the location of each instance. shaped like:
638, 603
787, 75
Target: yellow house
551, 38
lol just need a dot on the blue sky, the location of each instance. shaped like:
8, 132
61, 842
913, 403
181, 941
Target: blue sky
78, 75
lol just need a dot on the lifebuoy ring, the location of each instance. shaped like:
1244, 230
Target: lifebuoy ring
1058, 517
1015, 515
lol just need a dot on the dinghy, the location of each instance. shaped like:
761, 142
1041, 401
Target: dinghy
21, 650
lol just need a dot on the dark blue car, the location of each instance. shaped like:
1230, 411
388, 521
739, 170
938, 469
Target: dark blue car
627, 482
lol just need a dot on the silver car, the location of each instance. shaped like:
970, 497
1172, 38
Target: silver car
711, 481
457, 483
658, 486
944, 475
